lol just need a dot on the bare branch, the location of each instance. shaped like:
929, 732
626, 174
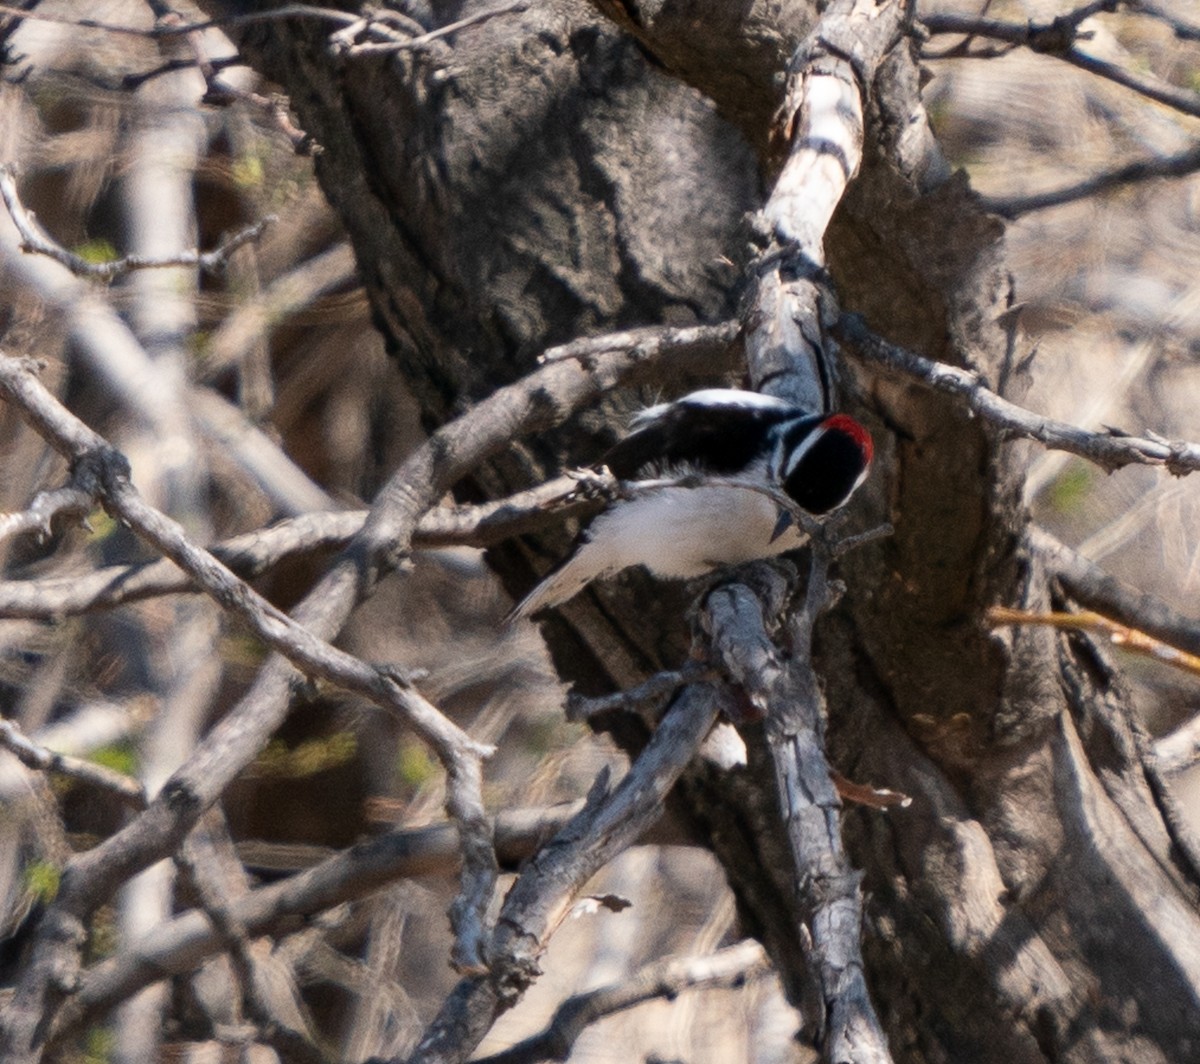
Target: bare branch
1091, 586
731, 967
254, 553
662, 683
787, 692
183, 943
252, 319
1058, 38
180, 29
128, 790
648, 342
420, 41
1182, 164
1185, 31
67, 501
33, 240
1109, 450
1119, 635
540, 400
542, 896
202, 866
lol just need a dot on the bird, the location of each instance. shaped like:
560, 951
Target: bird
747, 445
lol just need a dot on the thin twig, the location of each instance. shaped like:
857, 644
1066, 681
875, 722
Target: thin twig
67, 501
732, 967
1181, 164
201, 866
36, 242
580, 708
1089, 585
377, 47
1185, 31
254, 553
179, 29
645, 342
128, 790
1119, 635
1058, 38
1110, 450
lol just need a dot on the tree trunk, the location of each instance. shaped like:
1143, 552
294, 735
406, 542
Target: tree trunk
552, 173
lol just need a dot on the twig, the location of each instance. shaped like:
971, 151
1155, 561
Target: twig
1185, 31
252, 320
1058, 38
580, 708
221, 92
867, 794
202, 867
254, 553
67, 501
543, 895
183, 943
731, 967
377, 47
180, 29
1109, 450
1182, 164
535, 403
1092, 587
647, 342
128, 790
1118, 634
32, 240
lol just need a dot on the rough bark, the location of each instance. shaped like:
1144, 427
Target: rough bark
553, 173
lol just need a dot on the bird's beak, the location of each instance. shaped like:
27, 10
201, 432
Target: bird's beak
782, 525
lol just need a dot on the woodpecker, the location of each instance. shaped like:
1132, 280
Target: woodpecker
736, 437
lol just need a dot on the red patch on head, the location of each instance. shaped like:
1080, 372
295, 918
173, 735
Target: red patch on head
845, 424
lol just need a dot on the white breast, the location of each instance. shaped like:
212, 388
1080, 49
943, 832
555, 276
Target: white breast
685, 532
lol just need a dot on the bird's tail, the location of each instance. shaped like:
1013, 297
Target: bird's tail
560, 584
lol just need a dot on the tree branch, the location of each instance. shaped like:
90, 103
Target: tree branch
36, 242
787, 692
731, 967
68, 501
1109, 450
183, 943
538, 401
1182, 164
254, 553
126, 789
542, 896
1092, 587
1058, 38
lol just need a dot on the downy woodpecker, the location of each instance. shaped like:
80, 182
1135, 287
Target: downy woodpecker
679, 532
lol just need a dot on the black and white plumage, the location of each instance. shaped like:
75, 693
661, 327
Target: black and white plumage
679, 532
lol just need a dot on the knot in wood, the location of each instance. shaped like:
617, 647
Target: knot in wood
1055, 39
97, 471
1181, 459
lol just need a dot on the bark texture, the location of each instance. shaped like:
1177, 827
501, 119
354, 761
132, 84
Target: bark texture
556, 173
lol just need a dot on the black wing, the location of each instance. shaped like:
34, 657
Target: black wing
721, 433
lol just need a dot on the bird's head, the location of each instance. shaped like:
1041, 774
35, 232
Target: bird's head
822, 461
